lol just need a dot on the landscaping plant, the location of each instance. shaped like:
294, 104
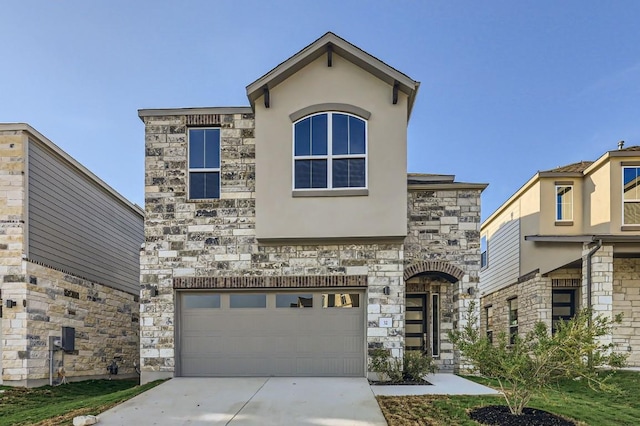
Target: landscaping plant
412, 368
538, 359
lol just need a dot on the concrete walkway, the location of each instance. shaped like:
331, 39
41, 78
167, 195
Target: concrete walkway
441, 384
251, 401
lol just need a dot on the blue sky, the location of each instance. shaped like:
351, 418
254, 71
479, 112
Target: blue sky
507, 87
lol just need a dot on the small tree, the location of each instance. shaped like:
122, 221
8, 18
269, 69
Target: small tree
538, 360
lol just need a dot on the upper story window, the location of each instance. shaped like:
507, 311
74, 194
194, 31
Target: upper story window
330, 152
564, 202
630, 195
483, 252
204, 163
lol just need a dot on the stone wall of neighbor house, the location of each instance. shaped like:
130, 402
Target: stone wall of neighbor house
12, 286
217, 239
626, 301
534, 293
106, 323
444, 225
534, 304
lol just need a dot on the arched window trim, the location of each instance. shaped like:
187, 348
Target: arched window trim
329, 189
329, 107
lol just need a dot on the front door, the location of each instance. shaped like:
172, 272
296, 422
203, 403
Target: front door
415, 329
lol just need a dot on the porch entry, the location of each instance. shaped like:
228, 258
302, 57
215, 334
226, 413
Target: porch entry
422, 325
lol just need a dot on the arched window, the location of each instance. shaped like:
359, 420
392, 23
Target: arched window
330, 151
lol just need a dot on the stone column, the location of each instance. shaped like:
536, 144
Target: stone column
601, 282
386, 271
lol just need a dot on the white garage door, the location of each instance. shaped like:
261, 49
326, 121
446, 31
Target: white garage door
298, 333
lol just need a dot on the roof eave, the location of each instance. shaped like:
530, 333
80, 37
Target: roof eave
343, 48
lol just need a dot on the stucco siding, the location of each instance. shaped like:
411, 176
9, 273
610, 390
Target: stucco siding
75, 226
379, 213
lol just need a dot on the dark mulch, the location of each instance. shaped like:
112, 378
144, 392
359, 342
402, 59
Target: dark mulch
500, 415
406, 382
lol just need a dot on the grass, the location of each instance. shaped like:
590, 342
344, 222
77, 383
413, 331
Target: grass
58, 405
569, 399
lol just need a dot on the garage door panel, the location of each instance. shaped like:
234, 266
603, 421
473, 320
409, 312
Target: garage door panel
272, 341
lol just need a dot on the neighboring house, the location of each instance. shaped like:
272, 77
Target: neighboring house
285, 238
568, 239
69, 266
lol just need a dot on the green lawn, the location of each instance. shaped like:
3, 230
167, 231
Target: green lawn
58, 405
569, 399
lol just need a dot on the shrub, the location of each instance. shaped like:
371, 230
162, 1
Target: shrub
417, 365
538, 360
413, 367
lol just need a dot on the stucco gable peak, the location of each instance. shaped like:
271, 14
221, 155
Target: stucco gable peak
335, 44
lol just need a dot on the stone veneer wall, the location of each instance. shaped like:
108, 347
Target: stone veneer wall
12, 269
106, 323
626, 301
444, 225
534, 293
217, 239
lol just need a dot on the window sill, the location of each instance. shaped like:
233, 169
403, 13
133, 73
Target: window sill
564, 223
357, 192
630, 228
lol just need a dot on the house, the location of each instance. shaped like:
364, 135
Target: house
568, 239
69, 266
285, 238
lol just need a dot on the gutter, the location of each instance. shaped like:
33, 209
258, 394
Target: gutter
589, 256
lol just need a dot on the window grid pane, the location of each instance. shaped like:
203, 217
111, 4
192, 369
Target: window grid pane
564, 202
337, 137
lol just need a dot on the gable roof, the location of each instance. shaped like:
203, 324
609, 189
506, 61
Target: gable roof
346, 50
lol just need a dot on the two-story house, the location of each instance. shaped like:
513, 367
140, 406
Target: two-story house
285, 237
568, 239
69, 266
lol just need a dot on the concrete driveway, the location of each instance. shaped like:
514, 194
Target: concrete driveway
251, 401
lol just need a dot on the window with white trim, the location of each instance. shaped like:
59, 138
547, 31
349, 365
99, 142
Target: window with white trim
630, 196
330, 152
564, 203
204, 164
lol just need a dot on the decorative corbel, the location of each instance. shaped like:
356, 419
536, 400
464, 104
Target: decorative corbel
265, 92
396, 85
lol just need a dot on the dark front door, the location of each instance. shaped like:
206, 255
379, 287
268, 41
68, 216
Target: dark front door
415, 329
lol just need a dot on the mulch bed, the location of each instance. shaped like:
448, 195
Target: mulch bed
499, 415
421, 383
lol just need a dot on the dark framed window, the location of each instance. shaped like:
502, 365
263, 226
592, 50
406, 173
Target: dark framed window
489, 322
563, 306
513, 319
630, 196
564, 203
483, 252
330, 152
204, 164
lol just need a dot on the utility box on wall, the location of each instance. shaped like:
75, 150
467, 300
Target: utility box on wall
68, 339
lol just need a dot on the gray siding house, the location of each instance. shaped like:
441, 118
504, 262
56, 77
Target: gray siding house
286, 238
69, 266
